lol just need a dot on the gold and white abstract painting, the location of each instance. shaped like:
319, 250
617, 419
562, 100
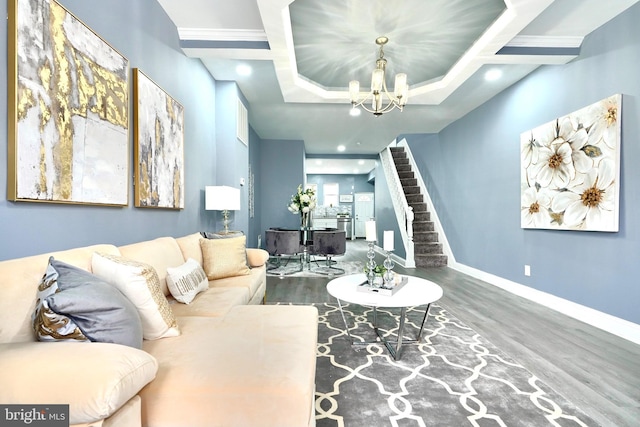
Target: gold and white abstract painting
159, 146
69, 124
571, 170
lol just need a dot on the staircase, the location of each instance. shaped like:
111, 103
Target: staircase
427, 250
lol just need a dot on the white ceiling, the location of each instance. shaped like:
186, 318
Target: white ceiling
304, 52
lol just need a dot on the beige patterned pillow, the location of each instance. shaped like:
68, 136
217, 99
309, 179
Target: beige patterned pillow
139, 282
187, 281
224, 257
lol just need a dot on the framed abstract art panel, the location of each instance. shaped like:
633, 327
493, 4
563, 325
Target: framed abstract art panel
570, 170
158, 146
68, 102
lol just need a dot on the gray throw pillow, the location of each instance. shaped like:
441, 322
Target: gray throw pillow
213, 235
74, 304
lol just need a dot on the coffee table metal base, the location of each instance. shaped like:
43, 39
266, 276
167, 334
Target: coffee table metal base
394, 351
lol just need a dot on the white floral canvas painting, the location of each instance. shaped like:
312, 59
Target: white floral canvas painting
571, 170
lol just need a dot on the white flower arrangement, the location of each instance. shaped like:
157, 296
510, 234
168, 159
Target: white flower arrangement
303, 201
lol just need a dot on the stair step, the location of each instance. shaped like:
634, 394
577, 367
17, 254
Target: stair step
431, 260
400, 160
405, 174
427, 248
425, 236
418, 207
403, 168
398, 155
409, 182
423, 226
414, 199
421, 216
397, 149
411, 189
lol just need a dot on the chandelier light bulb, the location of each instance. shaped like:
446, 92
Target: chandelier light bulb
354, 90
400, 84
377, 78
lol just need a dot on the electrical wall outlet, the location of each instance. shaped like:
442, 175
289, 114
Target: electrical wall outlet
527, 270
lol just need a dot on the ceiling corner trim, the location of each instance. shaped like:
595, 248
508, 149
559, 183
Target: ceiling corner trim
222, 34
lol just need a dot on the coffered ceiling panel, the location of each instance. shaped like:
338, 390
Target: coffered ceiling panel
304, 53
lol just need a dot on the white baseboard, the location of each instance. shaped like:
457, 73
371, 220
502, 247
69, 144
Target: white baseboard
614, 325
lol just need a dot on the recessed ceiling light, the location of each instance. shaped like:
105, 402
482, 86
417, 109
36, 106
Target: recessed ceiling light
354, 112
243, 70
361, 162
318, 162
493, 74
341, 148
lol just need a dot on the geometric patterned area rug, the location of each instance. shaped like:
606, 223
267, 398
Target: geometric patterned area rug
293, 268
453, 377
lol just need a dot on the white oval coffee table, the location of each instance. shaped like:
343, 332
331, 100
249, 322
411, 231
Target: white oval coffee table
415, 292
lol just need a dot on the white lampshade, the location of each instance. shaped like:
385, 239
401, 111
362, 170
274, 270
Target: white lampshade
221, 198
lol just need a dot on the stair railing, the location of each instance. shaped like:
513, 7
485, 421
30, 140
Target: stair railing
404, 212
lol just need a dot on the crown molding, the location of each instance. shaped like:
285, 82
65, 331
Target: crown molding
546, 41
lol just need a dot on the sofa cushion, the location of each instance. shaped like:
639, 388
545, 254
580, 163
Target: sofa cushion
76, 305
212, 303
224, 257
139, 282
160, 253
252, 282
190, 246
95, 379
186, 281
269, 355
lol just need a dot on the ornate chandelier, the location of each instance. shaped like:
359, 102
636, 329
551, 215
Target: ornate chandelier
379, 87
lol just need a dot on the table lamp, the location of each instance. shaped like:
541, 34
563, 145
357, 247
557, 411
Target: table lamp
222, 198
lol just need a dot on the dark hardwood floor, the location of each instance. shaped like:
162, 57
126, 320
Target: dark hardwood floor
597, 371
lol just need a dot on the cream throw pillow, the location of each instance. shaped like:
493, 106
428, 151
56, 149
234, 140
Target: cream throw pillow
140, 283
187, 281
224, 257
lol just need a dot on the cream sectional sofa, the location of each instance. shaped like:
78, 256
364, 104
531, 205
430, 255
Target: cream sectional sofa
235, 363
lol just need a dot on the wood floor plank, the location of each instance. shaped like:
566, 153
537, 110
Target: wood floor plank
597, 371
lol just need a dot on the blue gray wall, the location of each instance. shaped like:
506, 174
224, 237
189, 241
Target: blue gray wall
232, 155
472, 169
281, 171
143, 33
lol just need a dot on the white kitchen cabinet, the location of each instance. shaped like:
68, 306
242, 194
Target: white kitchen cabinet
325, 223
